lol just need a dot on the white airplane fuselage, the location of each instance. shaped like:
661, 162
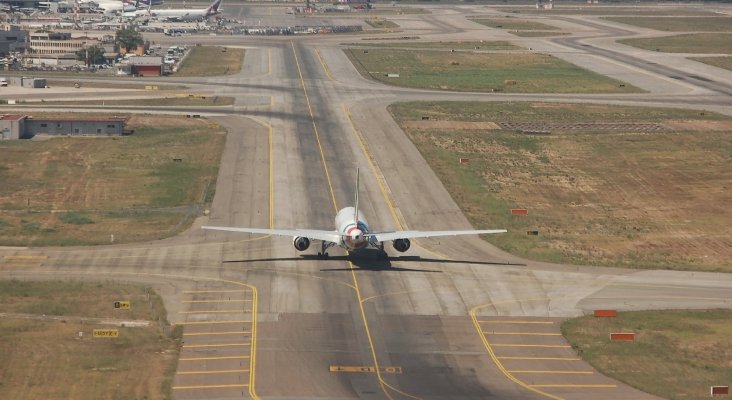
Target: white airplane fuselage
353, 227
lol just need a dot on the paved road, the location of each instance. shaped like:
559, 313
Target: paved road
451, 319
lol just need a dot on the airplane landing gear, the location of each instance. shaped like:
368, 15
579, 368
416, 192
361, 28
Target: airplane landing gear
323, 254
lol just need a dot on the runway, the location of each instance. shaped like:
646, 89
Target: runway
451, 319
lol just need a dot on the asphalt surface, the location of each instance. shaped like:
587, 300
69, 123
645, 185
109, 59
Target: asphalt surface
453, 318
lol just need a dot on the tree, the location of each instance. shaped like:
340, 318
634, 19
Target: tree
95, 54
128, 38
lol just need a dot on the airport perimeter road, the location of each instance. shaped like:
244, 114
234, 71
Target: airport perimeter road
450, 319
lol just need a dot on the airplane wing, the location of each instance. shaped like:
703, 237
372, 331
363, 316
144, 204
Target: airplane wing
386, 236
326, 236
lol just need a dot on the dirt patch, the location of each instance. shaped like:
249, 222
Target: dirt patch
700, 125
459, 125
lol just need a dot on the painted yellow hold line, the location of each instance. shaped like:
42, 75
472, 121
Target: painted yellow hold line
523, 333
218, 301
210, 386
217, 291
216, 322
540, 358
514, 322
28, 257
217, 333
211, 311
562, 346
199, 346
212, 358
227, 371
574, 386
553, 372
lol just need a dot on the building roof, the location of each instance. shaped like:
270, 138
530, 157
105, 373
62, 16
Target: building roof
11, 117
149, 60
83, 119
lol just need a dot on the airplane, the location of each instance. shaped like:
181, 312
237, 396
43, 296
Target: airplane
187, 14
352, 233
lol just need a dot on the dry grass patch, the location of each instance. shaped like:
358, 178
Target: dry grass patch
676, 354
45, 359
600, 193
67, 190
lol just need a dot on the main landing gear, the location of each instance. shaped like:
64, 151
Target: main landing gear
322, 254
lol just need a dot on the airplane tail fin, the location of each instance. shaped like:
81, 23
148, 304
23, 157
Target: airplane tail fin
213, 8
356, 196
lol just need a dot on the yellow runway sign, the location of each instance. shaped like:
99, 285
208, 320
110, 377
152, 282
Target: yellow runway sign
122, 305
106, 333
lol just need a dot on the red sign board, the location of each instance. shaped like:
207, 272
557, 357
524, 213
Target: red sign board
623, 336
719, 391
606, 313
519, 211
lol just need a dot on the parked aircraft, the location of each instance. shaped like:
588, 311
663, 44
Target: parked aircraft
352, 233
187, 14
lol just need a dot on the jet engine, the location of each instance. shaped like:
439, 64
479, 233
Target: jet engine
302, 243
401, 245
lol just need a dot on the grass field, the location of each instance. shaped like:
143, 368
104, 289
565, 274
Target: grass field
211, 61
676, 355
678, 24
611, 10
721, 62
381, 23
461, 45
627, 197
130, 187
514, 24
482, 72
43, 358
697, 43
162, 101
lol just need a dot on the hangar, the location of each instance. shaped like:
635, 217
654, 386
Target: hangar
15, 126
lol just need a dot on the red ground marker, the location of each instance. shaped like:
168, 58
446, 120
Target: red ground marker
718, 391
606, 313
623, 336
519, 211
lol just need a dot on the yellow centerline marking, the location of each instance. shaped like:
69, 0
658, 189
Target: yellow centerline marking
523, 333
325, 67
210, 386
227, 371
212, 358
382, 383
553, 372
215, 333
216, 322
200, 346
